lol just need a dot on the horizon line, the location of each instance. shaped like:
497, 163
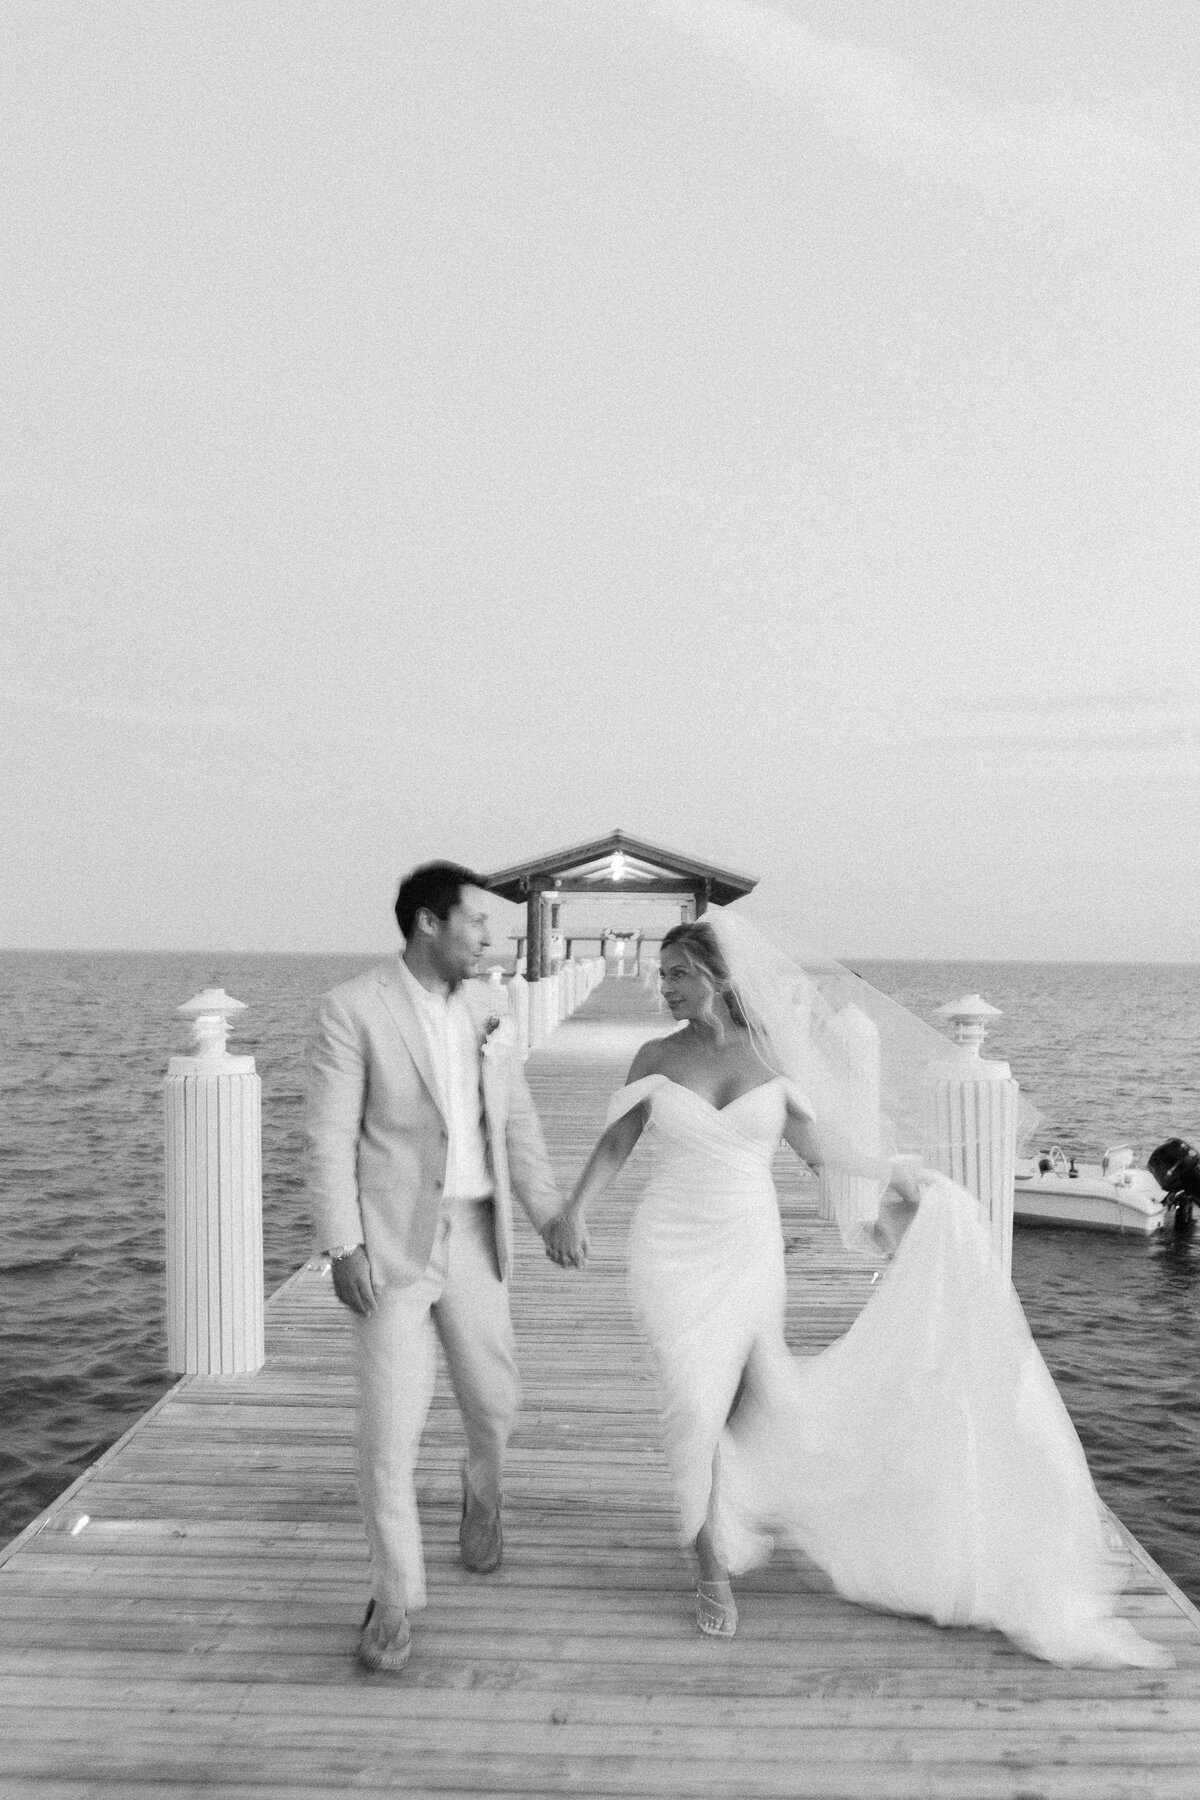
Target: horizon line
847, 961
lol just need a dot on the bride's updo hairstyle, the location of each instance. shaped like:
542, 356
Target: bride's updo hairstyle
698, 945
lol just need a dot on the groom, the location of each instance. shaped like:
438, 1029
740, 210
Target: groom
420, 1128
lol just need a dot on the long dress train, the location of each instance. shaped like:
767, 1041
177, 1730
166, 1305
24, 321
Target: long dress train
925, 1460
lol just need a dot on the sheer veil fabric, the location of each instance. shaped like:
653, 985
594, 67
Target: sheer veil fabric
924, 1461
863, 1059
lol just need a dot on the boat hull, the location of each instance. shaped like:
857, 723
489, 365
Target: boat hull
1090, 1202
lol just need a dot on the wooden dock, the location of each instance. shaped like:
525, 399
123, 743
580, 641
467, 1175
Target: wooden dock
195, 1635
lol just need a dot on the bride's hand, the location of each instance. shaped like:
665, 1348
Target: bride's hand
896, 1214
898, 1206
906, 1178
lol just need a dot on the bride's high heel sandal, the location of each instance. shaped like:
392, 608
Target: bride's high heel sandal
716, 1614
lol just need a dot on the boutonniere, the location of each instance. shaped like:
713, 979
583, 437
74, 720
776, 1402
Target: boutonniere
499, 1036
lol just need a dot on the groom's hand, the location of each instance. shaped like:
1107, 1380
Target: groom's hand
352, 1282
566, 1240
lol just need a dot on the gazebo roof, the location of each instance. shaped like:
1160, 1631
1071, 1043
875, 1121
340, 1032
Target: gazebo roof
619, 864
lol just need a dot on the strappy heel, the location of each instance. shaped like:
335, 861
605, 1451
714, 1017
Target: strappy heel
716, 1614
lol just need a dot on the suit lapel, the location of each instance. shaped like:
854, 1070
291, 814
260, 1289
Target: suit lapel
404, 1014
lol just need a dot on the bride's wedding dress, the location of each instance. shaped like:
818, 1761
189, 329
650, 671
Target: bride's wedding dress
925, 1460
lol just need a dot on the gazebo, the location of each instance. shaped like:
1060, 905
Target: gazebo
610, 867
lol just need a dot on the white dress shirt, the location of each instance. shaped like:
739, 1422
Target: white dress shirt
454, 1051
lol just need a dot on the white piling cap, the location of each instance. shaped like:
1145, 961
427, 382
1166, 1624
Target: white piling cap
971, 1006
212, 1000
210, 1012
968, 1020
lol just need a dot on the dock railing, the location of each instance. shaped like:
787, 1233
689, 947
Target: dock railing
537, 1008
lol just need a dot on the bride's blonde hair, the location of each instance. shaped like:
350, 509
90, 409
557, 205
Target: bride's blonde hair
697, 944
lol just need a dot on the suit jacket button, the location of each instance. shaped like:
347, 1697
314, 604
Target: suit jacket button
437, 1184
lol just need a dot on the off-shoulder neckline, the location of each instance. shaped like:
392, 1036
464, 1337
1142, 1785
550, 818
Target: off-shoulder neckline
657, 1075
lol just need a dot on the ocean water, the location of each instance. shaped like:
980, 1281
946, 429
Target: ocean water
84, 1045
1108, 1053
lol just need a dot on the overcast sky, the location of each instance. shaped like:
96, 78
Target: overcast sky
465, 428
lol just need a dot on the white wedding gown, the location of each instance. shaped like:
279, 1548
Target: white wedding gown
925, 1460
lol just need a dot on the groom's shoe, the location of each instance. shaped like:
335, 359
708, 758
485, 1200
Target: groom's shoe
385, 1641
480, 1534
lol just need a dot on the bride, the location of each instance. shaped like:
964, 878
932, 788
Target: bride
925, 1460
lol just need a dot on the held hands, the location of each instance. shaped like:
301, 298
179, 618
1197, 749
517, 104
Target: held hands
566, 1239
352, 1282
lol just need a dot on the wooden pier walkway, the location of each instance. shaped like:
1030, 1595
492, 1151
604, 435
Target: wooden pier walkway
195, 1635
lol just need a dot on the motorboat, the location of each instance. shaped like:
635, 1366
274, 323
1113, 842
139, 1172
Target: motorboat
1112, 1195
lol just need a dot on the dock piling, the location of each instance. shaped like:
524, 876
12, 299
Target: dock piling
213, 1106
972, 1118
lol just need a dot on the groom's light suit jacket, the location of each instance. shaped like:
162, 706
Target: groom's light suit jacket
378, 1136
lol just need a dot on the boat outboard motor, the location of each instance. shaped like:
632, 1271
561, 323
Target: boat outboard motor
1175, 1166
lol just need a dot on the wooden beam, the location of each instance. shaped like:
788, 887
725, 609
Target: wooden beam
634, 885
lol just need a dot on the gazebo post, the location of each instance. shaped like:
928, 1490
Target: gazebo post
553, 905
533, 935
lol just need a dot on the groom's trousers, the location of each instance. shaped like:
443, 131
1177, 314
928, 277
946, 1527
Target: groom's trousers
462, 1299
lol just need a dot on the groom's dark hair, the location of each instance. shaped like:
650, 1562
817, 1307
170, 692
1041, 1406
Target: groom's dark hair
436, 886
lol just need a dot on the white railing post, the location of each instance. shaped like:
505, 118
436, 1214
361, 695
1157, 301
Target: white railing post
539, 1008
497, 992
214, 1200
972, 1122
543, 1009
518, 1004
